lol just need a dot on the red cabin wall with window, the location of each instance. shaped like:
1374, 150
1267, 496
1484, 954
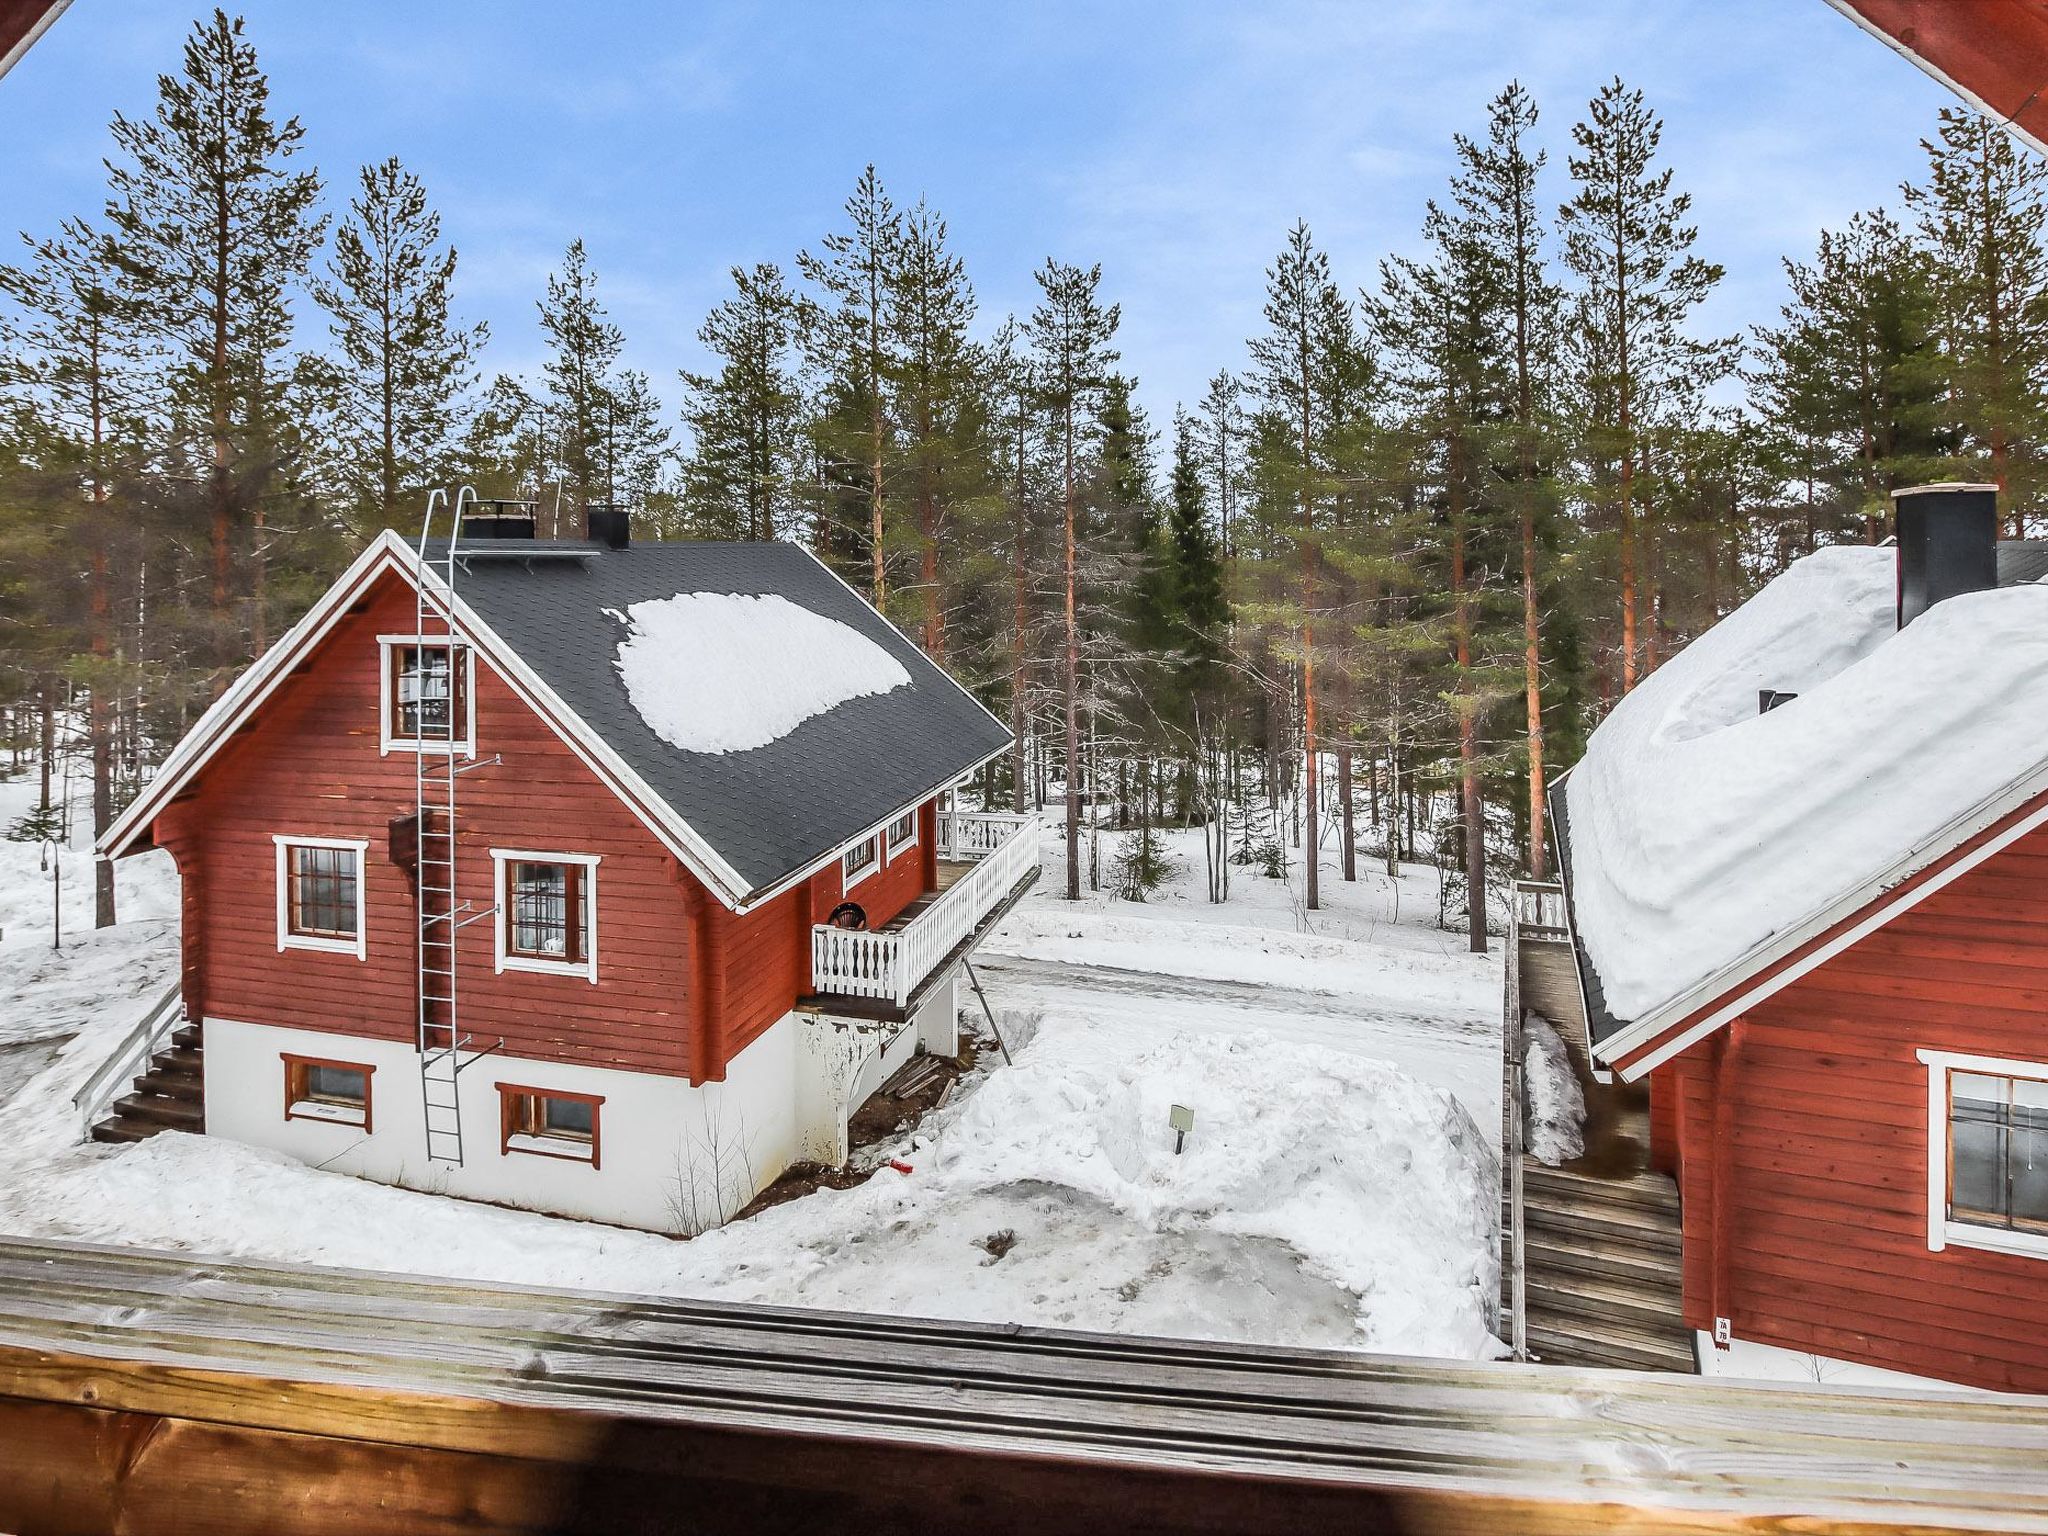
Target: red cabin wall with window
308, 762
1805, 1196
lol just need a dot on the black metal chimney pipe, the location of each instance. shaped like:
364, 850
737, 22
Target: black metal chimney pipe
1948, 544
607, 524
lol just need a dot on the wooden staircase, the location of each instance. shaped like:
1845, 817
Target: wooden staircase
1602, 1270
170, 1096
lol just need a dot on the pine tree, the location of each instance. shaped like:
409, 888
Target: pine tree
583, 348
1981, 213
404, 364
1852, 376
1307, 319
744, 420
213, 228
935, 392
848, 339
1495, 195
71, 362
1626, 239
1070, 332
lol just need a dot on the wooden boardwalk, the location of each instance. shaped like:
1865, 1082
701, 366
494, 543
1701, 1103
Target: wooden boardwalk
180, 1395
1601, 1234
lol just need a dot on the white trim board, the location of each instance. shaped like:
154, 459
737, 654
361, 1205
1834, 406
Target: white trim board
502, 958
286, 939
388, 743
1732, 984
1942, 1233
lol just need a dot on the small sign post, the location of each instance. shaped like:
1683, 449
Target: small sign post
1182, 1119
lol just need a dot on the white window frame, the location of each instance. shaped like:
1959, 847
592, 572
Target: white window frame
507, 961
1941, 1232
388, 743
847, 882
359, 946
889, 834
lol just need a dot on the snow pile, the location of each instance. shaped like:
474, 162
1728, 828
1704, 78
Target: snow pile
1699, 828
1364, 1199
1554, 1103
728, 672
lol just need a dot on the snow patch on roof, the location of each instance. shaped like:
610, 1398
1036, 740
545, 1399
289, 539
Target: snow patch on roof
728, 672
1700, 828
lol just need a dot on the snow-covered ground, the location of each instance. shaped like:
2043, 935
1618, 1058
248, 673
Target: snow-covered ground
1338, 1190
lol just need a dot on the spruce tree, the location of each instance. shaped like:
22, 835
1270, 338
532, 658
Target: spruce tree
403, 363
213, 228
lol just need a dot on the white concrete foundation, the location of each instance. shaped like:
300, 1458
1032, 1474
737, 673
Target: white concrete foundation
673, 1158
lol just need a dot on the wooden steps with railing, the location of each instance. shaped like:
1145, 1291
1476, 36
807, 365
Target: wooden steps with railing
169, 1096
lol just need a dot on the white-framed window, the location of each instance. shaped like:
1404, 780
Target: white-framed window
320, 894
546, 912
861, 861
1987, 1153
426, 694
903, 832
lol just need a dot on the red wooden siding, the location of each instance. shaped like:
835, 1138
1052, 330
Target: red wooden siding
308, 763
1821, 1241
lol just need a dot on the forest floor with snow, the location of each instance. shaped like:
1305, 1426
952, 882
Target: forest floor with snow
1339, 1189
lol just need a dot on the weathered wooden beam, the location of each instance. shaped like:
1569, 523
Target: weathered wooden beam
168, 1393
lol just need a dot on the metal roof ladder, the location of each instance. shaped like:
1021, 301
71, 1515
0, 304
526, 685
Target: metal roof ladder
434, 689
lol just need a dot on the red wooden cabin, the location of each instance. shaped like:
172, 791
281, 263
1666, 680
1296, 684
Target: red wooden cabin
615, 990
1852, 1090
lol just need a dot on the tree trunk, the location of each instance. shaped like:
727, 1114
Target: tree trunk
1073, 677
1344, 803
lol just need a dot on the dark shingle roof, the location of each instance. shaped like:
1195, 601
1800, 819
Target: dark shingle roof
770, 811
2021, 560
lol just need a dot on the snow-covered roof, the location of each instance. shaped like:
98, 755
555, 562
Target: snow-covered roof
1701, 831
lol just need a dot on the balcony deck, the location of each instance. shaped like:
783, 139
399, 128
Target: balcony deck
986, 863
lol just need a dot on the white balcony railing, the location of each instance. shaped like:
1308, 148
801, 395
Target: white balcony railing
889, 963
1539, 909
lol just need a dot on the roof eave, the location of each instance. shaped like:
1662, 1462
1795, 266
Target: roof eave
1652, 1039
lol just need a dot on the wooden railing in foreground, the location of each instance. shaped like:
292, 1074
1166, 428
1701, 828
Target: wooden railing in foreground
179, 1395
1514, 1065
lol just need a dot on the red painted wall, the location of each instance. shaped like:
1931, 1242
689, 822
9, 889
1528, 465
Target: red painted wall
1822, 1241
682, 986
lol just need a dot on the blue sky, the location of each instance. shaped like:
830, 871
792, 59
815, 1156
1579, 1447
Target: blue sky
1175, 144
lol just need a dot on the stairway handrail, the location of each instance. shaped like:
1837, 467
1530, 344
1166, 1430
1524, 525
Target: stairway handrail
129, 1057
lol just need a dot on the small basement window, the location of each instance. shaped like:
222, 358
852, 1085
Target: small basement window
859, 863
1988, 1163
549, 1123
320, 894
426, 692
335, 1091
902, 833
547, 912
